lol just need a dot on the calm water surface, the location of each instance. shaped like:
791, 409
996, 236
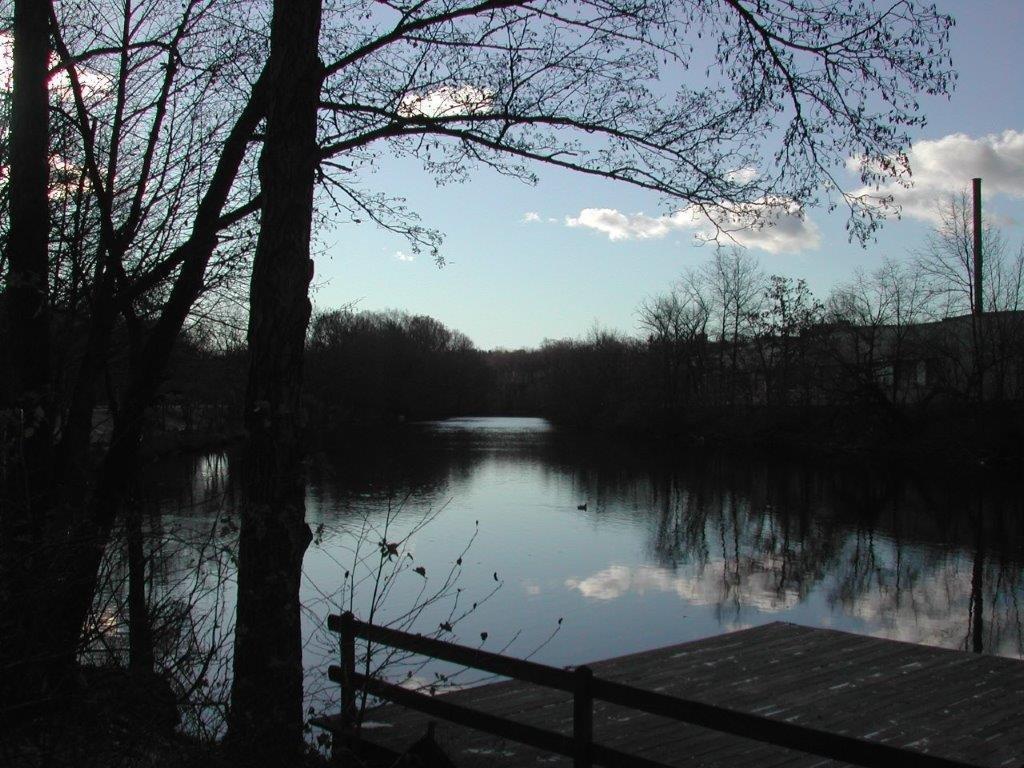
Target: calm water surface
629, 548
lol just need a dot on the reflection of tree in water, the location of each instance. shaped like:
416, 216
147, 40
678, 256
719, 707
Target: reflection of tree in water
721, 521
191, 545
406, 463
941, 564
177, 554
903, 552
904, 555
916, 556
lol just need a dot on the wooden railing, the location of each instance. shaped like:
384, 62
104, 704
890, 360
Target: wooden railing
585, 689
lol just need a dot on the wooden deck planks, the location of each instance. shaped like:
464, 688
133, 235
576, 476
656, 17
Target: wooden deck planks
955, 704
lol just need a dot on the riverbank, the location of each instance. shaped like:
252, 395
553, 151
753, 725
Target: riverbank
989, 435
964, 435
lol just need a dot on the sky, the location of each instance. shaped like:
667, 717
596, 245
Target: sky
528, 263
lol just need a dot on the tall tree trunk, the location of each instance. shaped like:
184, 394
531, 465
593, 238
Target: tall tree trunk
52, 543
266, 720
23, 499
81, 535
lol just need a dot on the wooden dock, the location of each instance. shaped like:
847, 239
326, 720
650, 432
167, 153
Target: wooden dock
946, 703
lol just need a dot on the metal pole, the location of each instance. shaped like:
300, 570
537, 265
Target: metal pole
582, 717
979, 300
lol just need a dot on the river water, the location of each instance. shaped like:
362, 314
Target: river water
574, 548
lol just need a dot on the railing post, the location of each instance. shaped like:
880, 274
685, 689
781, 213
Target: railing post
348, 668
582, 717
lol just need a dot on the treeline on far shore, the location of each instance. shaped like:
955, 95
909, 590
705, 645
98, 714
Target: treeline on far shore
823, 383
895, 358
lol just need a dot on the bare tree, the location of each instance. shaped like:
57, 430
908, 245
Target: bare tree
504, 83
781, 335
734, 280
24, 496
947, 260
974, 348
676, 325
158, 183
266, 697
873, 315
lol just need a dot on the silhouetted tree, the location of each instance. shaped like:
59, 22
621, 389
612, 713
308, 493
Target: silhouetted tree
157, 182
374, 367
781, 334
25, 512
676, 326
977, 351
497, 82
735, 283
266, 698
873, 315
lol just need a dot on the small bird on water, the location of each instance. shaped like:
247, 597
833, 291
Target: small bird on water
582, 506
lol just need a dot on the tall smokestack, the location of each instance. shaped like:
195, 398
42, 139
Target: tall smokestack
979, 301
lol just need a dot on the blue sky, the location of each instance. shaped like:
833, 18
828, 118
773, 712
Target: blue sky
512, 283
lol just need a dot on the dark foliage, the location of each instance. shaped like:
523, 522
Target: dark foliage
387, 367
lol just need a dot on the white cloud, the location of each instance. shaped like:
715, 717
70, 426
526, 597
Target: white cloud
94, 85
63, 174
776, 226
622, 226
743, 175
531, 588
530, 216
781, 228
446, 101
402, 256
947, 165
752, 583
